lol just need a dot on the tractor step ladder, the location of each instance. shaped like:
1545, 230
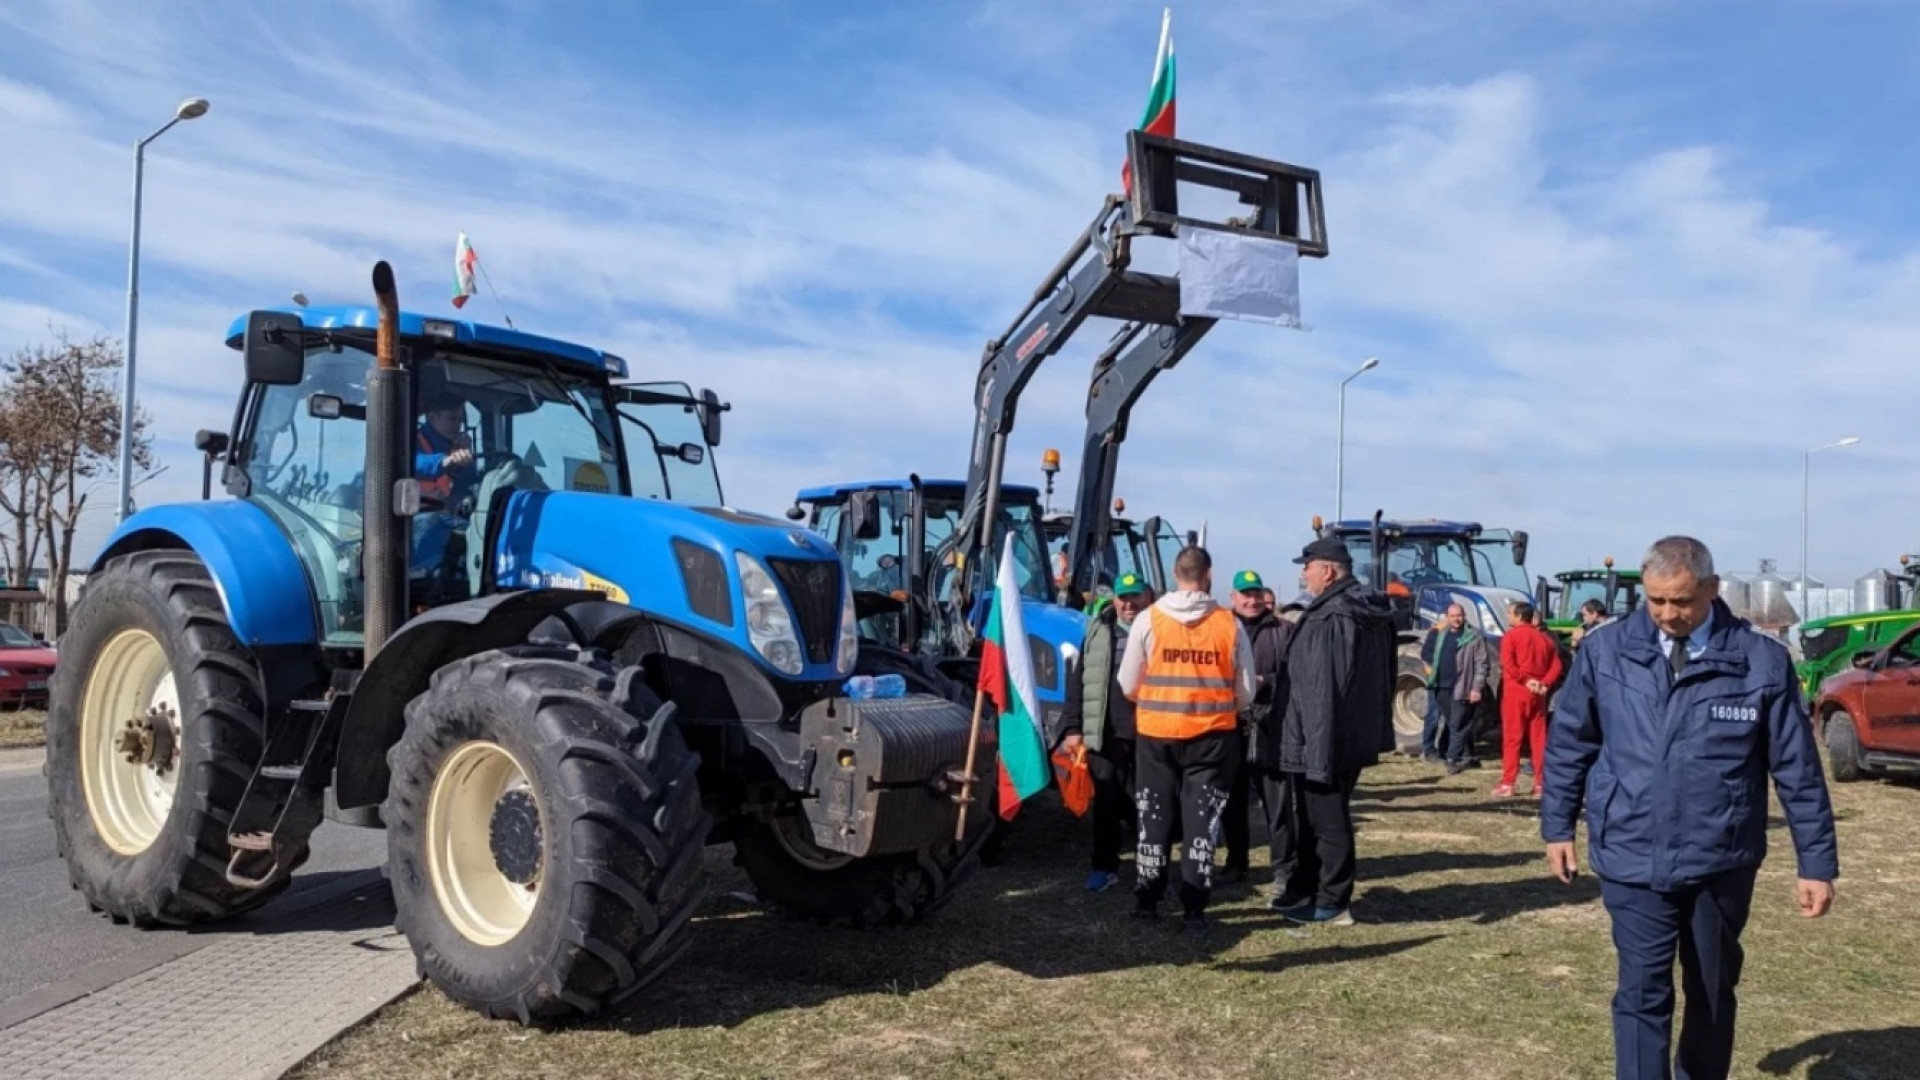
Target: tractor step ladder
283, 801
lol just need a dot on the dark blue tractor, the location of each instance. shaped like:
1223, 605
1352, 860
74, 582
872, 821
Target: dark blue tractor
899, 542
475, 588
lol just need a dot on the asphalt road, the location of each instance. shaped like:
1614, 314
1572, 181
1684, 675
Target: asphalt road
53, 948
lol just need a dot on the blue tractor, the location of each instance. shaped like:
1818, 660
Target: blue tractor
927, 545
523, 634
1423, 566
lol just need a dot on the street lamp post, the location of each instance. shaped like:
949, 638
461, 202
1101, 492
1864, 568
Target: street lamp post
1806, 471
189, 109
1340, 441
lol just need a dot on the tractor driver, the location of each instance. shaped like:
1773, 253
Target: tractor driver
443, 456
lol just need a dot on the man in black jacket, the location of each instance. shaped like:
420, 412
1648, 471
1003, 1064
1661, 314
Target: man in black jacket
1338, 721
1099, 715
1260, 722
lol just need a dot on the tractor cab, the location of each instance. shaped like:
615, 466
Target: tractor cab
493, 412
1146, 548
1424, 565
896, 539
1618, 591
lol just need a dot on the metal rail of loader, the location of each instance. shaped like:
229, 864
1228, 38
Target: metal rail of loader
1095, 280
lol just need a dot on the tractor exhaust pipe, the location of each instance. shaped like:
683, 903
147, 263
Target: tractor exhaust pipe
384, 551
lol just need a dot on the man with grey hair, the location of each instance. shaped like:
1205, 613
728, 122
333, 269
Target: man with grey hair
1668, 726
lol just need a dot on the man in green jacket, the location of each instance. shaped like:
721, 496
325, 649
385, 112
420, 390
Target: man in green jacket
1100, 716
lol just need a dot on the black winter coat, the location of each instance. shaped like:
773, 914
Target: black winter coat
1271, 638
1340, 669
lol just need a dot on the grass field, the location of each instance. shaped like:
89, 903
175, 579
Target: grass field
22, 727
1467, 963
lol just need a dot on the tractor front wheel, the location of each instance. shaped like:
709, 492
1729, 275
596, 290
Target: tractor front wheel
154, 728
793, 876
545, 834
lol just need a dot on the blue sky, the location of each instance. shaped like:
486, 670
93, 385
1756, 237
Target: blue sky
1622, 261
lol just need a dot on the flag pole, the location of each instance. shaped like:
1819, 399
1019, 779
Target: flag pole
488, 278
966, 783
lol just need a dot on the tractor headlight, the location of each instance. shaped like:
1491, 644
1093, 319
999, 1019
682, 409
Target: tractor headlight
769, 623
1046, 663
849, 648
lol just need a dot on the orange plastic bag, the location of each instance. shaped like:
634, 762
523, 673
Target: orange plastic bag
1076, 783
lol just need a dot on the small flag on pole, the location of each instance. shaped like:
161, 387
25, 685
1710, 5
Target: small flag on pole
1006, 678
1159, 115
463, 262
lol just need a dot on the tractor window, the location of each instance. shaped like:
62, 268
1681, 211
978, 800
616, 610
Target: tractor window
1823, 642
307, 471
558, 443
878, 565
1493, 564
1579, 592
1167, 545
667, 451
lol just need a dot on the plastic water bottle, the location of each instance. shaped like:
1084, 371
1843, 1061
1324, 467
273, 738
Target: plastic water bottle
868, 687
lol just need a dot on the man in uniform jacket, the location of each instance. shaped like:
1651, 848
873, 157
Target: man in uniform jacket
1669, 725
1099, 715
1338, 720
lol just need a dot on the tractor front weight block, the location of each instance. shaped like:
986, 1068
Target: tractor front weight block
883, 769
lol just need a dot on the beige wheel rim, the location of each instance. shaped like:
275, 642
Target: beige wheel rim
485, 877
130, 741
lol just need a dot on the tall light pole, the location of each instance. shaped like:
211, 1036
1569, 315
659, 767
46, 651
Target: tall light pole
1806, 471
189, 109
1340, 441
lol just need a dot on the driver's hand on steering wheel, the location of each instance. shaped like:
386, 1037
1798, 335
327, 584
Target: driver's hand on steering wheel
459, 457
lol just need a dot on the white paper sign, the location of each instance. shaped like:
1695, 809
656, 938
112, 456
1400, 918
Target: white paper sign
1233, 276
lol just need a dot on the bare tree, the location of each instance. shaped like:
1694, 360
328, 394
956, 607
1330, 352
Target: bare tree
23, 437
69, 394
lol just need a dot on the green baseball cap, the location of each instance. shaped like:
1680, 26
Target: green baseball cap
1247, 581
1129, 585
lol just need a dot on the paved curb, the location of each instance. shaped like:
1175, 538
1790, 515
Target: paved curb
247, 1007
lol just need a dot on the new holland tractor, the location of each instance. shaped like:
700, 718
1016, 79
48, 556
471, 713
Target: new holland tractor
1423, 566
526, 637
926, 545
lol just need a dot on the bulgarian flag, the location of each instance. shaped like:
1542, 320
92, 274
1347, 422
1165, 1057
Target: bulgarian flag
1006, 678
463, 262
1158, 117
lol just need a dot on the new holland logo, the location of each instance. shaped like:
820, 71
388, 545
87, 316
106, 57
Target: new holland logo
798, 539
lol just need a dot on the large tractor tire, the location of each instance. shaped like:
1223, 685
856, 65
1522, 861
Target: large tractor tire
155, 726
1409, 703
545, 833
802, 881
1843, 748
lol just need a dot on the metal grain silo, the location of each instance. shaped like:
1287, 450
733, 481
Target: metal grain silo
1767, 603
1874, 591
1738, 595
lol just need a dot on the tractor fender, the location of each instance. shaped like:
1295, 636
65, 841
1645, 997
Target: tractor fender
404, 667
253, 565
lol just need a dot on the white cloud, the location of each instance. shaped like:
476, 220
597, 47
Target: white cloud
1598, 347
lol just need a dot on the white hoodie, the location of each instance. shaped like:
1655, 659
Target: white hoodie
1188, 606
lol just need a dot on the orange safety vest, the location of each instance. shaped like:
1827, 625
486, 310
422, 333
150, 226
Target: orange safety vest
1186, 685
434, 487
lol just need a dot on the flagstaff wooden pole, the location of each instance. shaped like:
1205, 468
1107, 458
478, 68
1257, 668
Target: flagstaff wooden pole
966, 784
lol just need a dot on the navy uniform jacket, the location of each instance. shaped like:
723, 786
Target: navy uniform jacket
1673, 776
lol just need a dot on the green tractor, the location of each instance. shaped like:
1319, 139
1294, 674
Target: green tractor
1616, 590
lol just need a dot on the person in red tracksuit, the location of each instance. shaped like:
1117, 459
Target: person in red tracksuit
1529, 667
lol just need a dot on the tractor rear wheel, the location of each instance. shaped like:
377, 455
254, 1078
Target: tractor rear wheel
545, 835
1409, 703
803, 881
154, 730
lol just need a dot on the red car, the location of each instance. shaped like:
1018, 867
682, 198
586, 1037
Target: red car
1869, 714
25, 667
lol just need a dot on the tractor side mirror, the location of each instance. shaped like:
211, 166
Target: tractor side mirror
864, 508
323, 407
210, 443
1520, 548
274, 354
794, 513
690, 452
710, 410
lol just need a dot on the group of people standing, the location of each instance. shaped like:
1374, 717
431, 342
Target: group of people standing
1668, 724
1199, 707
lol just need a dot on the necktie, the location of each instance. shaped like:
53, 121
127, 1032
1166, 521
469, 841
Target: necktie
1677, 654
